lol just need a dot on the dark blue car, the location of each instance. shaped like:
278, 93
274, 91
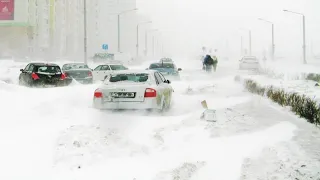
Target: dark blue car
169, 70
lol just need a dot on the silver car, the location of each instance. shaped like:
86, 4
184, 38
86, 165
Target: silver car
249, 63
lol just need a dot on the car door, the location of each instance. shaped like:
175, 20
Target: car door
95, 73
104, 72
28, 74
167, 88
23, 74
162, 90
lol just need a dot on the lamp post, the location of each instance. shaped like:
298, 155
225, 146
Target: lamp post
146, 39
272, 36
303, 34
119, 40
249, 31
137, 45
85, 30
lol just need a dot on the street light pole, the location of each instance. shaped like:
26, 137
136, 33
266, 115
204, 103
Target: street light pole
250, 42
241, 45
119, 40
146, 39
304, 40
249, 31
303, 34
85, 30
137, 45
272, 36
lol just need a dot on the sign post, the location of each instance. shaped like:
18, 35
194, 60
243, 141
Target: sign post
6, 9
105, 47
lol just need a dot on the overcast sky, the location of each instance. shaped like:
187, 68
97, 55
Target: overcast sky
189, 24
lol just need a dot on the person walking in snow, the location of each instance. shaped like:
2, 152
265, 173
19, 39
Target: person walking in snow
208, 63
215, 63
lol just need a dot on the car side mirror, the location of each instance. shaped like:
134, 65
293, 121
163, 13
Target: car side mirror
167, 81
21, 70
179, 69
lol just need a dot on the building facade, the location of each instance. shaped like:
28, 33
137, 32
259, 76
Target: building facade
58, 27
13, 27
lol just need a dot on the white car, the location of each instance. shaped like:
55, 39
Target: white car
249, 62
101, 72
135, 90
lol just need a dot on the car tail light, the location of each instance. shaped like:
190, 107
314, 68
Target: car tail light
34, 76
90, 73
150, 93
63, 76
98, 93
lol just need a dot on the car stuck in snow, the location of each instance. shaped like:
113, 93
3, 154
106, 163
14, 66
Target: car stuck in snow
169, 70
134, 90
42, 75
79, 72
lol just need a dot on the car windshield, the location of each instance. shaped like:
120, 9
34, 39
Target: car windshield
118, 67
48, 69
75, 66
133, 77
161, 65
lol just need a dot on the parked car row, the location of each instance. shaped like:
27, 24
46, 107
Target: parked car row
49, 74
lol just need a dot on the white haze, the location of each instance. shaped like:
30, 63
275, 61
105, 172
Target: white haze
187, 25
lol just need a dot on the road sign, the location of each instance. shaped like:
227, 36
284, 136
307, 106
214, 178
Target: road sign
105, 46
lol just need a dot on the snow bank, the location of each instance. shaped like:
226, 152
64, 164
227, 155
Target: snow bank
289, 70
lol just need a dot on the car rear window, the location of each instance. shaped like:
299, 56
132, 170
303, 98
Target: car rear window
118, 67
133, 77
48, 69
161, 65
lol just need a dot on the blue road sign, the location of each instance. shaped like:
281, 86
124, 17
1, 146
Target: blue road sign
105, 46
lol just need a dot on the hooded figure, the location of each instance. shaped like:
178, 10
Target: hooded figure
208, 62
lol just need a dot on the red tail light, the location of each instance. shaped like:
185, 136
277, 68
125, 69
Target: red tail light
63, 76
89, 73
34, 76
98, 93
150, 93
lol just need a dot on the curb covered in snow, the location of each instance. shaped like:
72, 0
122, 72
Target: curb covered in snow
300, 104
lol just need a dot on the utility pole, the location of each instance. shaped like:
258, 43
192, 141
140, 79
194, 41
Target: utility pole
250, 42
272, 36
241, 45
85, 31
137, 41
146, 39
303, 34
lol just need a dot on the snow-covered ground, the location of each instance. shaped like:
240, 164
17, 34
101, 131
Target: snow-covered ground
54, 133
289, 69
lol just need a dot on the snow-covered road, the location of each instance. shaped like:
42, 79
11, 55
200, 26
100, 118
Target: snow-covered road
55, 134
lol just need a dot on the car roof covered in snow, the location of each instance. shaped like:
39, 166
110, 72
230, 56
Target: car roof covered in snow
250, 57
133, 71
43, 64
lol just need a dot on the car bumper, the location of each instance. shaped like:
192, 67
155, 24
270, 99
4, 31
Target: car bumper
249, 66
150, 103
84, 80
44, 83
